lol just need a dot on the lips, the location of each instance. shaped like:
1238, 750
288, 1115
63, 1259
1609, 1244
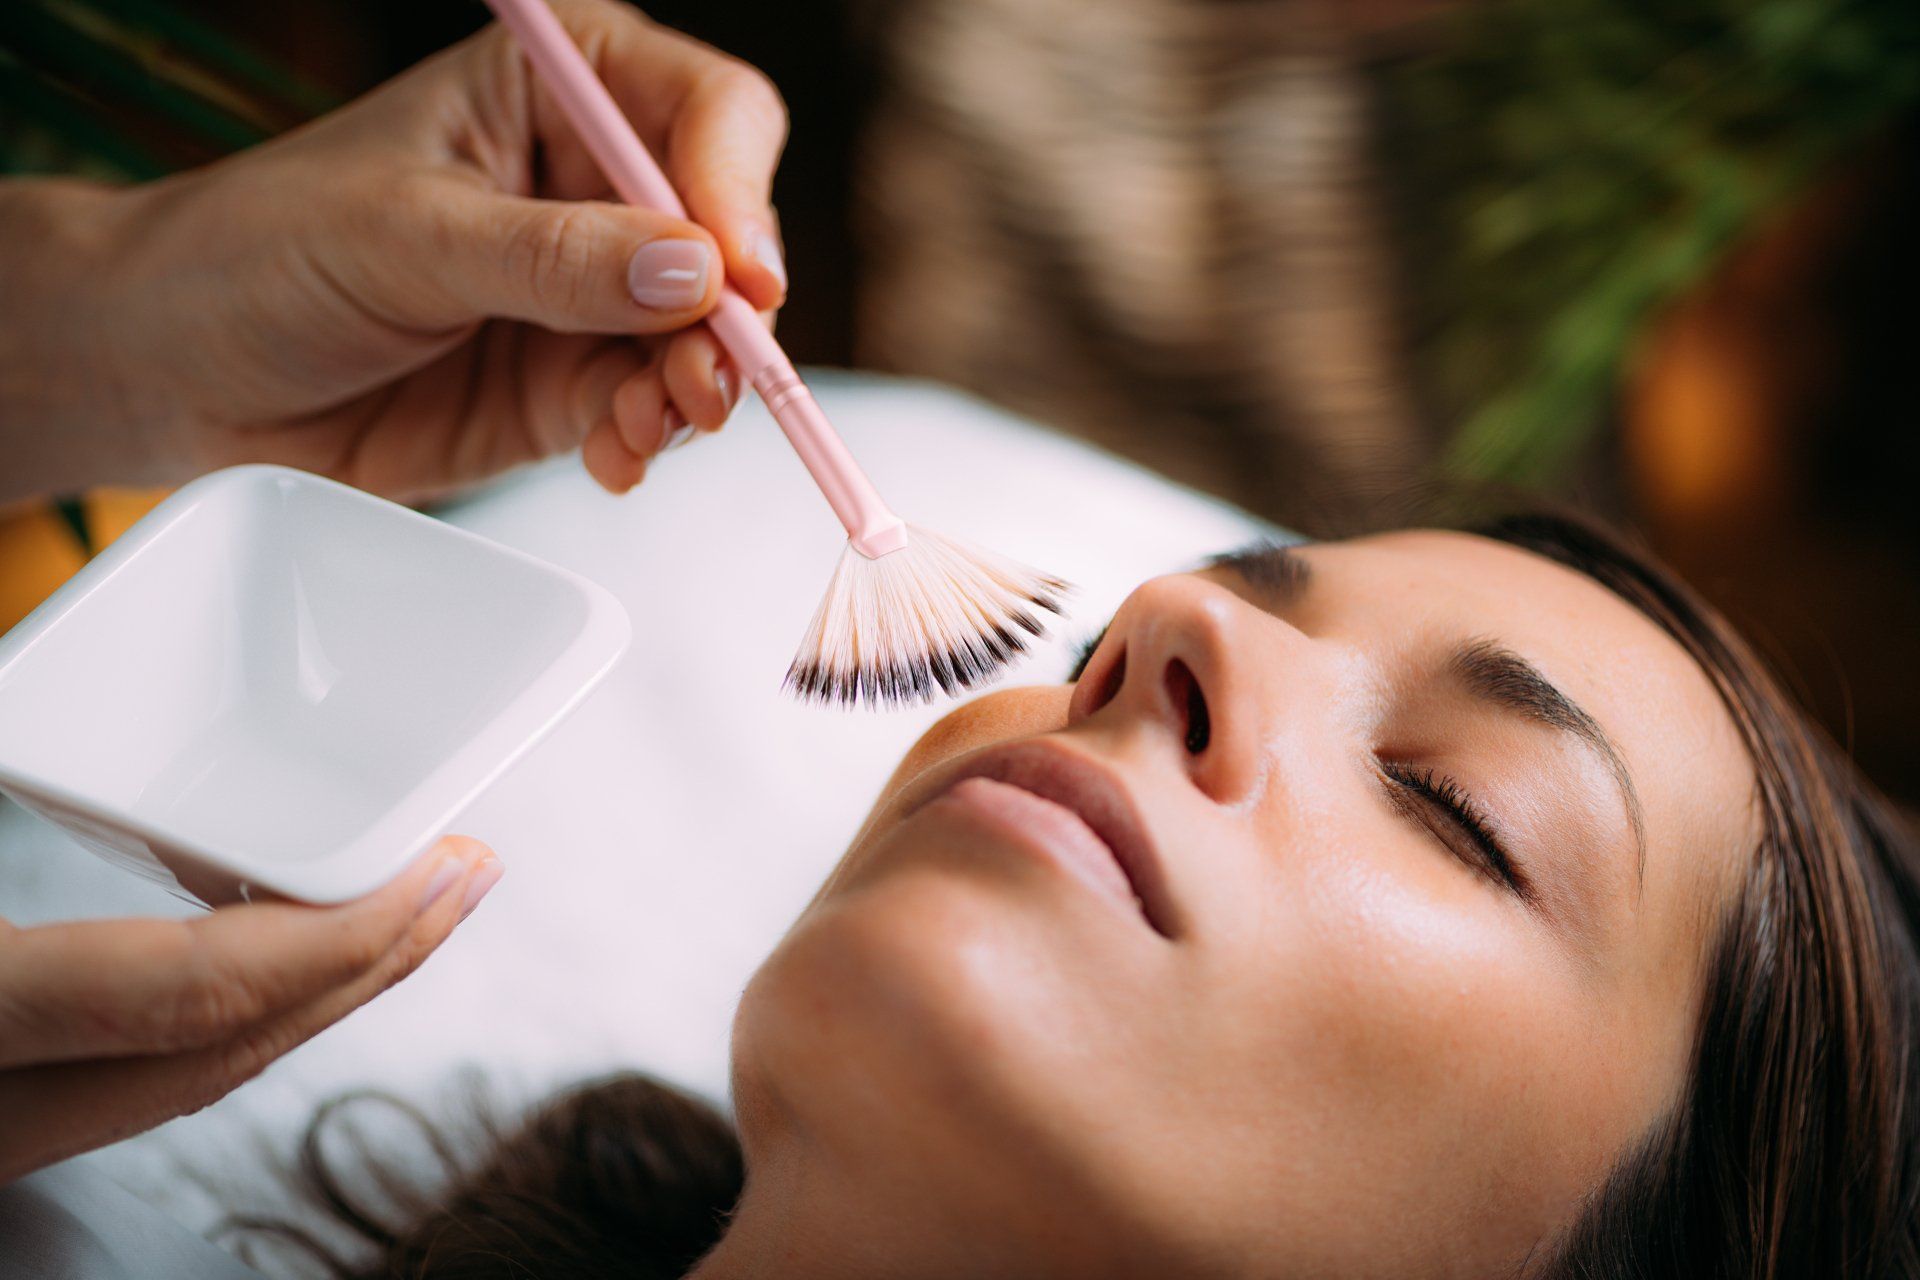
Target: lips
1075, 807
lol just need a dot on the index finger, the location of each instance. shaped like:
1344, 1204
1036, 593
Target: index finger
726, 144
111, 988
717, 125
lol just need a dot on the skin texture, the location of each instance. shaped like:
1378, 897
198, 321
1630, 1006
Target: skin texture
415, 292
1359, 1053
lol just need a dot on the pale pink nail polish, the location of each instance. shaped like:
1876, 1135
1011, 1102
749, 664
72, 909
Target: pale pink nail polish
678, 430
766, 250
487, 876
668, 275
443, 877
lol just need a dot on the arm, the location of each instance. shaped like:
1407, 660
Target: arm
65, 422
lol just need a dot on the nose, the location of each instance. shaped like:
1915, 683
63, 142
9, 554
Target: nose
1188, 658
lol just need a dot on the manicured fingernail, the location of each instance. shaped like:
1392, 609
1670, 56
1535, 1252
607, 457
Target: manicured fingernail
668, 275
679, 430
443, 877
766, 250
485, 877
723, 383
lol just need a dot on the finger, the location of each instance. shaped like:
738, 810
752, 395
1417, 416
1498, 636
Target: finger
53, 1112
640, 410
594, 382
717, 124
699, 381
108, 988
726, 144
584, 266
579, 380
613, 466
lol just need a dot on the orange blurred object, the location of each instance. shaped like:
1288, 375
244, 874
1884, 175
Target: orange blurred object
111, 512
38, 552
39, 549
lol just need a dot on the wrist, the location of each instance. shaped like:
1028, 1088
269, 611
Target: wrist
68, 414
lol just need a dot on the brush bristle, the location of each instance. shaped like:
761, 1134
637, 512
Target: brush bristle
938, 616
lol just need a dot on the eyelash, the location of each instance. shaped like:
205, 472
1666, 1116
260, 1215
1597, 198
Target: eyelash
1440, 790
1084, 656
1435, 788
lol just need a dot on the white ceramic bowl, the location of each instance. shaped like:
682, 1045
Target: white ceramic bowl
278, 683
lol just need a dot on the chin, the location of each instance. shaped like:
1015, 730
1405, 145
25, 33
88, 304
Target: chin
917, 1002
922, 1021
910, 1030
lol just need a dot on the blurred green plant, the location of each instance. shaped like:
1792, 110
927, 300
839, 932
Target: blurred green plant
133, 89
1576, 164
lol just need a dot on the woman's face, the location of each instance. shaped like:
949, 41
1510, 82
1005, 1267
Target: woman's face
1428, 835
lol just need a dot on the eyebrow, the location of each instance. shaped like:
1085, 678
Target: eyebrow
1496, 674
1487, 670
1270, 567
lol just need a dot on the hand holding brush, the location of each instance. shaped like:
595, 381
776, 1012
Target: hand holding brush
908, 611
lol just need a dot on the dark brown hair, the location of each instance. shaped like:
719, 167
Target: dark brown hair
618, 1177
1794, 1152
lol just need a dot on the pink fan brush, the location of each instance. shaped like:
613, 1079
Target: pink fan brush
908, 611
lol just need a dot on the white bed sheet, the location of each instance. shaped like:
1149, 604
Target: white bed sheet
662, 838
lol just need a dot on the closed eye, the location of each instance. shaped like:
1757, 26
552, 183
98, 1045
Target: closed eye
1085, 655
1434, 798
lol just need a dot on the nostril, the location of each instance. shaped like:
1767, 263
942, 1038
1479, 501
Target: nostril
1184, 693
1199, 727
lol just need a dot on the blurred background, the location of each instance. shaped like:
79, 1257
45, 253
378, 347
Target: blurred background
1324, 258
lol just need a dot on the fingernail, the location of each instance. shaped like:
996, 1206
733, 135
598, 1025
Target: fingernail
443, 877
766, 250
484, 878
678, 430
723, 383
668, 275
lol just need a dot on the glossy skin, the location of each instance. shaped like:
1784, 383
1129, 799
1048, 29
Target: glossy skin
1359, 1052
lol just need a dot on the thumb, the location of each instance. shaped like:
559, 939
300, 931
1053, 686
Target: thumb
567, 266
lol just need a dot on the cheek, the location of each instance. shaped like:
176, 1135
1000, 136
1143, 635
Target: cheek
1415, 1038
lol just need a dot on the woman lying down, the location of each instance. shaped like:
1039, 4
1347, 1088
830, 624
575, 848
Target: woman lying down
1425, 905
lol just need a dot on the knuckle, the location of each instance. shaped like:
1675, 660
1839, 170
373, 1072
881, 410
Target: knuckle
384, 214
400, 963
362, 951
595, 8
415, 211
214, 998
26, 1019
632, 397
555, 253
757, 91
248, 1054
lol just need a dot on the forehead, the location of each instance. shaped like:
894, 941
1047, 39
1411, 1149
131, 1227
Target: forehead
1648, 694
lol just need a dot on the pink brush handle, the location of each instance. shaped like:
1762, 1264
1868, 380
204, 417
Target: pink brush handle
872, 528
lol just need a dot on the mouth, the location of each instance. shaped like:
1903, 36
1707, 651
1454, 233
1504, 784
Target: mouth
1075, 810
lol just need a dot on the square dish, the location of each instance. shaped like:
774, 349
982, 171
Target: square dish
277, 683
